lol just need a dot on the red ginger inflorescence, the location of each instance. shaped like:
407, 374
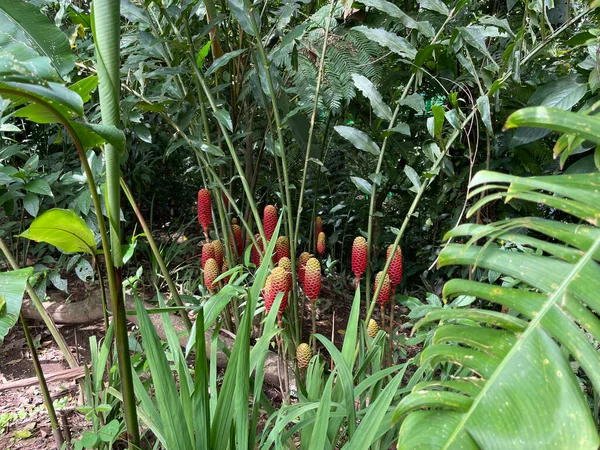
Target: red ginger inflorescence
204, 209
386, 288
321, 244
269, 221
282, 248
304, 256
359, 256
395, 270
256, 254
318, 226
225, 268
208, 251
237, 238
278, 281
285, 263
219, 252
211, 272
312, 279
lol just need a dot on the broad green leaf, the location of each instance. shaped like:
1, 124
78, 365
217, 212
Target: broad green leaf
358, 138
12, 288
475, 39
563, 93
212, 149
393, 11
55, 96
413, 177
31, 203
483, 105
20, 62
453, 119
586, 127
430, 429
104, 133
9, 128
63, 229
380, 108
414, 101
85, 87
435, 5
438, 120
202, 54
38, 186
390, 40
224, 118
528, 385
363, 185
25, 23
240, 10
402, 128
223, 60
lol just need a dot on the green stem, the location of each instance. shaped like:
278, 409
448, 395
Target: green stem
288, 198
157, 255
313, 313
106, 34
58, 437
379, 163
374, 196
312, 124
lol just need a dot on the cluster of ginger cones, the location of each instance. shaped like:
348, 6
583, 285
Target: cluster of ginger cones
279, 280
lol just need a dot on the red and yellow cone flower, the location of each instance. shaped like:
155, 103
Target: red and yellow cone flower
225, 268
208, 251
304, 256
278, 281
204, 209
372, 329
285, 264
256, 254
303, 355
237, 238
386, 288
395, 270
318, 226
282, 248
312, 279
266, 293
359, 256
321, 244
269, 221
219, 251
211, 272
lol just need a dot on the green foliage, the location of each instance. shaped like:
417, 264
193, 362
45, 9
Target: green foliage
518, 389
12, 288
64, 229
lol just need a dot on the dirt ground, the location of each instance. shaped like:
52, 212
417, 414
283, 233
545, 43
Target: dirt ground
24, 423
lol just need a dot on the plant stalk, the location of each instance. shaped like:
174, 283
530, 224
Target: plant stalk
56, 334
157, 255
39, 372
106, 34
